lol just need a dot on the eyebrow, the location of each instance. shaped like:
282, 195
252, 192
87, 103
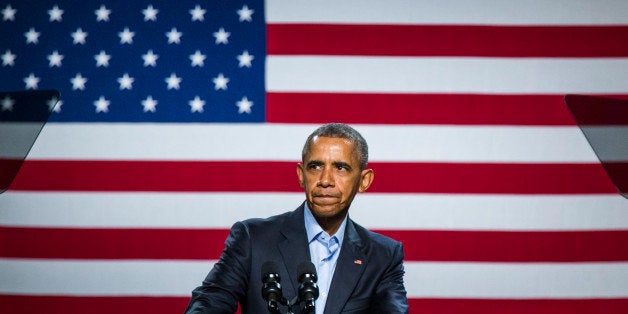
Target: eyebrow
335, 164
314, 163
341, 164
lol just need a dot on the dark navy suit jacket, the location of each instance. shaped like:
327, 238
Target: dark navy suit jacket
368, 276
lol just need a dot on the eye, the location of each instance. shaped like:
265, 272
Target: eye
313, 166
343, 167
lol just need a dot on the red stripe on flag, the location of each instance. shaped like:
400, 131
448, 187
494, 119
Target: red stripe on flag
508, 178
460, 109
99, 175
521, 306
447, 40
9, 168
618, 172
512, 246
66, 243
22, 304
243, 176
598, 111
207, 244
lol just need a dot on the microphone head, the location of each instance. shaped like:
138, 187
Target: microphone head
306, 269
271, 288
308, 290
270, 268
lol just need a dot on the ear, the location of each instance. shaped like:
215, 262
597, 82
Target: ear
366, 178
301, 175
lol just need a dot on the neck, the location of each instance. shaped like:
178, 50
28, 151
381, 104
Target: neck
330, 224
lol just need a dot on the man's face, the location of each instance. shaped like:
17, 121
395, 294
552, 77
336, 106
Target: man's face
330, 175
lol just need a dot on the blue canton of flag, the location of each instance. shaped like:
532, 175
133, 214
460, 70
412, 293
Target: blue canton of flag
138, 61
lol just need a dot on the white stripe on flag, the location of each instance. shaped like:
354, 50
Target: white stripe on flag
128, 141
437, 74
515, 280
482, 12
221, 210
610, 143
101, 277
178, 278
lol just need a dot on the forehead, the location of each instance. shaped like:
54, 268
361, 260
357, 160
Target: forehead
338, 148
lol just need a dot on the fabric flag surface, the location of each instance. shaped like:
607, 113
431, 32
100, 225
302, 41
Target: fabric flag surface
178, 118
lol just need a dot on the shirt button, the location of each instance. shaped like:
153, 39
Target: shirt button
324, 294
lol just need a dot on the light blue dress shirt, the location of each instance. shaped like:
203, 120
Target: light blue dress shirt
324, 250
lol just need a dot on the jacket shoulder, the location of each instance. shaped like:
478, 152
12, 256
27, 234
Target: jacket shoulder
265, 222
378, 241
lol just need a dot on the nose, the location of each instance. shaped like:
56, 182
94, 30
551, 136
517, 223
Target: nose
327, 178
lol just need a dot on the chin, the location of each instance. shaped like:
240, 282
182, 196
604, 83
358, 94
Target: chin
327, 211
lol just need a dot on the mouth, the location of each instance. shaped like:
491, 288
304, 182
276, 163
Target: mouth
325, 198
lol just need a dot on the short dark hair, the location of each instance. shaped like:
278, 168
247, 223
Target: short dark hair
340, 130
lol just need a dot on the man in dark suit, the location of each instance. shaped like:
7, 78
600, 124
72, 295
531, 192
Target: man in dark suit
358, 271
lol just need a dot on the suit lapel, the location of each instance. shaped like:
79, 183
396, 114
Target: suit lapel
349, 268
294, 247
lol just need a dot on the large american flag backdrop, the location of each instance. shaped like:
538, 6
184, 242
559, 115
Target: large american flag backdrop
178, 118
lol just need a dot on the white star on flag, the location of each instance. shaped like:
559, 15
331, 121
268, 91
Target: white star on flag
196, 104
126, 82
198, 59
244, 105
32, 36
55, 59
150, 59
55, 104
78, 82
150, 13
173, 81
102, 14
149, 104
126, 36
31, 81
102, 104
222, 37
197, 13
8, 13
245, 59
174, 36
8, 58
245, 14
220, 82
79, 36
7, 103
118, 38
55, 14
102, 59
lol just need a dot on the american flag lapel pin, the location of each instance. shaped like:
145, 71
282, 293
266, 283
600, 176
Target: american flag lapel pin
358, 262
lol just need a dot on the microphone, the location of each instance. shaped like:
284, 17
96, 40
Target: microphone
308, 290
271, 290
